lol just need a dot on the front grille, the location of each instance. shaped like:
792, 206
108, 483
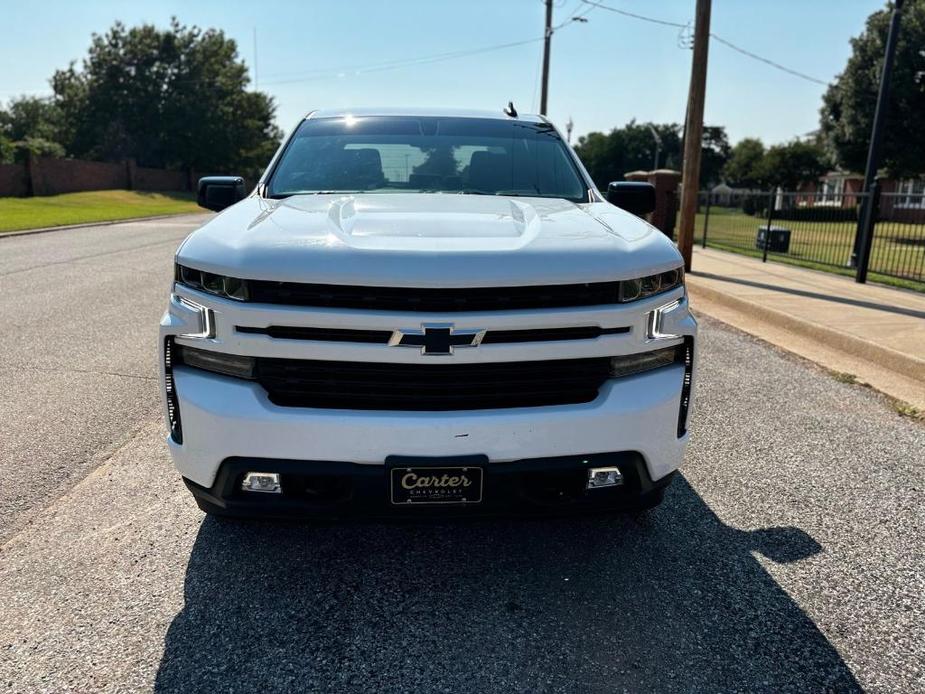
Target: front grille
425, 387
438, 300
283, 332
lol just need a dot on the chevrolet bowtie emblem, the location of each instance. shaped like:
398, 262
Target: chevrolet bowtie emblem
436, 339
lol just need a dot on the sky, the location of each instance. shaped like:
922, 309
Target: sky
604, 72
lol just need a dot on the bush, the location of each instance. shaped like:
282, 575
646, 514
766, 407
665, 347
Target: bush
818, 214
756, 205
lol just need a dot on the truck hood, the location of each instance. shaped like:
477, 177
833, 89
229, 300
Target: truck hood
427, 240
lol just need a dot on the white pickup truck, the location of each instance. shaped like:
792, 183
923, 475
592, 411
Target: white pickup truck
426, 313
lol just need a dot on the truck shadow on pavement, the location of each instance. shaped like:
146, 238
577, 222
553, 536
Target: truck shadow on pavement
672, 601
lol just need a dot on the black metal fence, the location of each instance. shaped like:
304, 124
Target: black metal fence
819, 230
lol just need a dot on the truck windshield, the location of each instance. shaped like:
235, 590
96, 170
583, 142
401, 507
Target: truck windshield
386, 154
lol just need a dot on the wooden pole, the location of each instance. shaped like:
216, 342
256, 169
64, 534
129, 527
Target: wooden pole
544, 94
693, 131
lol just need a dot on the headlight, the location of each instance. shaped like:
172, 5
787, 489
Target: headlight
227, 287
217, 362
643, 287
630, 364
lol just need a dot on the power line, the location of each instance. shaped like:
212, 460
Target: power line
720, 39
395, 64
634, 15
768, 62
325, 73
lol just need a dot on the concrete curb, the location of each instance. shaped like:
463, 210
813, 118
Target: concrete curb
110, 222
910, 366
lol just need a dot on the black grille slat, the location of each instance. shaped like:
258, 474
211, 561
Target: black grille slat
283, 332
351, 385
433, 299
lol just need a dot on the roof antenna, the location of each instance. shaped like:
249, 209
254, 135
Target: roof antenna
510, 110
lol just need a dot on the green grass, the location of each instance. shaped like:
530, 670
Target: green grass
93, 206
897, 248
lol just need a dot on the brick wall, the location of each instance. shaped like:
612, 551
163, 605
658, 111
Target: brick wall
50, 176
159, 179
13, 180
53, 176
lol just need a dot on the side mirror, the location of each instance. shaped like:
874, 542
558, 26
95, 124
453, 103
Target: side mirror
632, 196
218, 192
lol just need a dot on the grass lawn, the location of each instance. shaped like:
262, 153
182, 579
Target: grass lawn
898, 249
92, 206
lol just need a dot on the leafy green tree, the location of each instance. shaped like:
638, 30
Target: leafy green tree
6, 150
38, 146
30, 124
608, 157
848, 106
791, 164
30, 116
715, 152
742, 169
169, 98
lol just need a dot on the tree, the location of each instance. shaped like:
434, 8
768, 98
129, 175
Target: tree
30, 124
715, 153
172, 98
742, 169
6, 150
791, 164
848, 106
30, 116
608, 157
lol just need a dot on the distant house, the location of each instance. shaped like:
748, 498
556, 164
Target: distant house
725, 195
902, 199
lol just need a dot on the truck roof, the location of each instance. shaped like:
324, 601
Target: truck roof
441, 112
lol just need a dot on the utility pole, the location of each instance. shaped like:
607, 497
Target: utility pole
658, 145
865, 233
568, 130
693, 131
546, 42
256, 77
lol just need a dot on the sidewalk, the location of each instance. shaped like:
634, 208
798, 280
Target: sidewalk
876, 334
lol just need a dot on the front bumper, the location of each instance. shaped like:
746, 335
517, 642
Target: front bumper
224, 418
337, 490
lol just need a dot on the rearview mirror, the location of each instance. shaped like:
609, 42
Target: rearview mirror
632, 196
218, 192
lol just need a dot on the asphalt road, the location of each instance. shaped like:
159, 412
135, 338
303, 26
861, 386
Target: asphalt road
788, 557
79, 310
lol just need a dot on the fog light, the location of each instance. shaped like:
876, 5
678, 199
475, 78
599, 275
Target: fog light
604, 477
261, 482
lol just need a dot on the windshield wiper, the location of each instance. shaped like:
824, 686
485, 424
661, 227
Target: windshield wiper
283, 196
505, 193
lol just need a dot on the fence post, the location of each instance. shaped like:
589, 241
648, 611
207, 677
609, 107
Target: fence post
706, 219
130, 173
767, 230
33, 177
866, 227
